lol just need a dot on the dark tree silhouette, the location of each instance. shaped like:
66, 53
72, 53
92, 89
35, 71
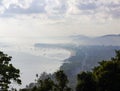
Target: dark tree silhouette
86, 82
62, 81
108, 74
45, 85
7, 72
104, 77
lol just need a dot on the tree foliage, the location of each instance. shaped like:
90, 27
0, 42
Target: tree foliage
86, 82
62, 81
106, 76
45, 85
7, 72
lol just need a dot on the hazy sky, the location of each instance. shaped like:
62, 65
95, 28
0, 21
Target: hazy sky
59, 17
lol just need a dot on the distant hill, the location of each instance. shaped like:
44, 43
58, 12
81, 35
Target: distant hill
81, 40
113, 40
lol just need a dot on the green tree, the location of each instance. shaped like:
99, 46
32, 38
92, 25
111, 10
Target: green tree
25, 89
7, 72
108, 74
62, 81
45, 85
86, 82
104, 77
117, 57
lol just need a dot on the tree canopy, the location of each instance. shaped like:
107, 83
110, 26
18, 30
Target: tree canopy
7, 72
86, 82
106, 76
62, 81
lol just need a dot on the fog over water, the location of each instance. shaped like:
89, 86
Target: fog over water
32, 60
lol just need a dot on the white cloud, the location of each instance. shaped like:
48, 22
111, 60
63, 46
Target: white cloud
61, 8
24, 3
66, 16
58, 17
56, 6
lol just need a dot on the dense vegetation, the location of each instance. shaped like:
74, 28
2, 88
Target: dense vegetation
103, 77
8, 72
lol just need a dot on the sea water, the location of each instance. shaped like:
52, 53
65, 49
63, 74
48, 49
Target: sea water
31, 60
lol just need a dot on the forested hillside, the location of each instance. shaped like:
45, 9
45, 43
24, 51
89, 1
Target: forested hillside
85, 59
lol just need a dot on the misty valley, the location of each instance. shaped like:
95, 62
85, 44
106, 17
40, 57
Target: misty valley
80, 54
